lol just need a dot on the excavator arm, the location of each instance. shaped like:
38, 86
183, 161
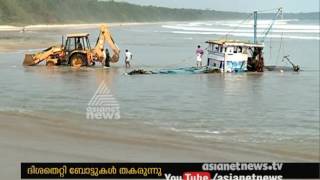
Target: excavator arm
34, 59
105, 36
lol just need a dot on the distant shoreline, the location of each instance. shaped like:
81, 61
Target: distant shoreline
37, 27
13, 38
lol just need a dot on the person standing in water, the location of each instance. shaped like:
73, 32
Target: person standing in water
107, 58
128, 58
199, 53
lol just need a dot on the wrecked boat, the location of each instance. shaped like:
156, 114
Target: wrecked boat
227, 55
235, 56
243, 56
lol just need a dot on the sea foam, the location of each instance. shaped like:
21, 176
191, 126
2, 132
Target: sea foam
290, 29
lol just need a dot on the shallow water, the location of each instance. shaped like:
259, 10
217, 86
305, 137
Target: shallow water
269, 107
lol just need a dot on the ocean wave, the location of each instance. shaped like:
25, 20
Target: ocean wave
196, 24
15, 109
196, 131
277, 26
286, 24
247, 35
239, 22
239, 30
261, 21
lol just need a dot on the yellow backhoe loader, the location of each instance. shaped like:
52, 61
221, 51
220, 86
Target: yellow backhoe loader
76, 51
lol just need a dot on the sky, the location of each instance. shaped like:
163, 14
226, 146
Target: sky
236, 5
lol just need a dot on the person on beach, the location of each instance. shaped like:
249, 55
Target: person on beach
199, 53
107, 59
79, 45
128, 58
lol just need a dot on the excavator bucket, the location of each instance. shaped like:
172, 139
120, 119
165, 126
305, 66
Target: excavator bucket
115, 58
28, 60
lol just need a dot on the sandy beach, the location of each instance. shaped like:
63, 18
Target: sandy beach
13, 38
29, 138
66, 26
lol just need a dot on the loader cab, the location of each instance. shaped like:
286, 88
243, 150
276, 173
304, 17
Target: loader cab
76, 48
79, 42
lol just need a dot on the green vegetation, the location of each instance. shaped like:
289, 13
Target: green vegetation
91, 11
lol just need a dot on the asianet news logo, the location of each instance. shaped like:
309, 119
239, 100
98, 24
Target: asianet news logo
103, 105
242, 166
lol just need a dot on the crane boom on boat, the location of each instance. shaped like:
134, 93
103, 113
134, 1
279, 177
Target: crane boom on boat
279, 13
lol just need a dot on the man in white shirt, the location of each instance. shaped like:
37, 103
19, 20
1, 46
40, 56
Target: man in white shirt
128, 58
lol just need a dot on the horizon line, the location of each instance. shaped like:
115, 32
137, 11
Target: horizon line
209, 9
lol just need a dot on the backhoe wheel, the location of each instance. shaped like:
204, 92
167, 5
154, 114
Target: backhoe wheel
78, 60
50, 63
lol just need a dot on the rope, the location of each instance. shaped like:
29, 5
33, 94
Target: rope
237, 27
266, 32
268, 10
181, 62
249, 16
186, 59
280, 49
270, 48
281, 44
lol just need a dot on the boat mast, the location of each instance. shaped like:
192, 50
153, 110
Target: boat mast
255, 18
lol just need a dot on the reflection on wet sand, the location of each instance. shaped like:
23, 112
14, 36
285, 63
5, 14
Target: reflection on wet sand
65, 73
107, 75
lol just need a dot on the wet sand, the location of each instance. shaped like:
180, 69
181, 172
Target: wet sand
35, 138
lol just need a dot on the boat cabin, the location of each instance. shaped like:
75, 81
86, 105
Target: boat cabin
235, 56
